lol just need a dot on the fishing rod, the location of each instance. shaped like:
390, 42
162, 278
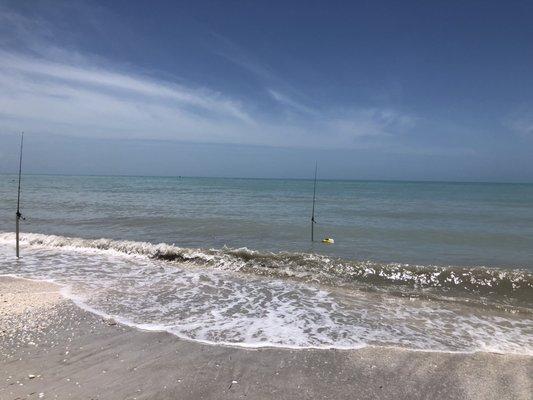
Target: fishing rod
327, 240
313, 222
19, 215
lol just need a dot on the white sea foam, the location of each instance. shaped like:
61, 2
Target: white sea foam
511, 284
222, 306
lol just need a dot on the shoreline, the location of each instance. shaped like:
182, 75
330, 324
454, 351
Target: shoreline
51, 348
65, 294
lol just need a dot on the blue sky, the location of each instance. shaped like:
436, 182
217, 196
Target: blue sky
372, 90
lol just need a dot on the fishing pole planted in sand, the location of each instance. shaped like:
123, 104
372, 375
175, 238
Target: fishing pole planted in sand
19, 215
327, 240
313, 222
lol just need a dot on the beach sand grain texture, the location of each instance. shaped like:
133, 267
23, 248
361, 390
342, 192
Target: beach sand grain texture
51, 349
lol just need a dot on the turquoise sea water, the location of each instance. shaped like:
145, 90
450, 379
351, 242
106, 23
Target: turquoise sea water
466, 224
422, 265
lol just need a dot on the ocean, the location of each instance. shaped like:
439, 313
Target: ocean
421, 265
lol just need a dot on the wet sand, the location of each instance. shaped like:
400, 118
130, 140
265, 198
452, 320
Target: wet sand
51, 349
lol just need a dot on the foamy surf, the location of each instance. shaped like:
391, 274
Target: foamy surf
204, 295
509, 283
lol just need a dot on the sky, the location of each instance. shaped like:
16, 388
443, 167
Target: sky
410, 90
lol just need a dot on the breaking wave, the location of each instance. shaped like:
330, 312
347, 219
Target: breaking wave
513, 286
226, 296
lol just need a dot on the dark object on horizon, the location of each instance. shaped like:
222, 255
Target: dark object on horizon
19, 215
313, 222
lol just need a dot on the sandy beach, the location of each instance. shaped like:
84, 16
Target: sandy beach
50, 348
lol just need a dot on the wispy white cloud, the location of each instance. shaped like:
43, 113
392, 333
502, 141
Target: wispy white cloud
373, 122
52, 89
89, 100
287, 101
31, 69
278, 89
335, 126
81, 99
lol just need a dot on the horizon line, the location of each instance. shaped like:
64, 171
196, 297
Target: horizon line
275, 178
